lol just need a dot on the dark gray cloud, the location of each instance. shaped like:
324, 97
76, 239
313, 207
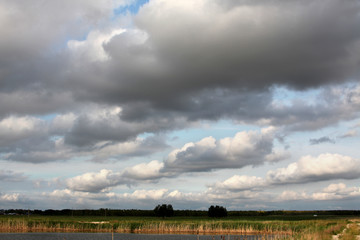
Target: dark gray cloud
315, 141
38, 102
159, 68
17, 130
76, 81
222, 60
30, 139
106, 124
331, 105
164, 66
253, 45
41, 150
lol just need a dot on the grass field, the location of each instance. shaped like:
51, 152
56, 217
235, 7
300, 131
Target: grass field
294, 227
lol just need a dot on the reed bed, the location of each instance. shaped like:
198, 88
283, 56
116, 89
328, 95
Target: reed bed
296, 229
214, 227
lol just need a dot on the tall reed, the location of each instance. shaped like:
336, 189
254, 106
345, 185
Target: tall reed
296, 229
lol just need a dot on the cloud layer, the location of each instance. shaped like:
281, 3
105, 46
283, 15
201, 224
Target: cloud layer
308, 169
111, 94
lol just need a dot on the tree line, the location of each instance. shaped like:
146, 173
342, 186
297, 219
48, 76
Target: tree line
175, 213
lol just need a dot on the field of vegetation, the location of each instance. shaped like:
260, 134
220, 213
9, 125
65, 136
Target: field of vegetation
286, 227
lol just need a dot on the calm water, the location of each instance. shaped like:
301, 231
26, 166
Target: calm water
117, 236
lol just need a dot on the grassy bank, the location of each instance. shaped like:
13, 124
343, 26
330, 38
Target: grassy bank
295, 228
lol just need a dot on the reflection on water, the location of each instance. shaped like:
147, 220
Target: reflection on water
117, 236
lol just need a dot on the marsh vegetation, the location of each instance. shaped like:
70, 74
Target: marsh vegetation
295, 227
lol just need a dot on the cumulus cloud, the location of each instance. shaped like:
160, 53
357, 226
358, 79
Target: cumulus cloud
217, 84
292, 196
37, 30
98, 83
147, 198
107, 150
241, 183
177, 85
147, 194
308, 169
321, 168
14, 129
94, 182
10, 197
250, 36
105, 124
244, 149
332, 105
146, 171
92, 49
55, 149
10, 200
334, 191
98, 134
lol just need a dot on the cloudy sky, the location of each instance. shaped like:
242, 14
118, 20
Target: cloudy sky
248, 104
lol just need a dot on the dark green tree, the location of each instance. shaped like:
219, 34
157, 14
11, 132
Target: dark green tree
164, 210
217, 211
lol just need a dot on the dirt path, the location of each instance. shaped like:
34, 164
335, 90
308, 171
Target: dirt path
354, 224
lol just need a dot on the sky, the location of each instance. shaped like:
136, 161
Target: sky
251, 104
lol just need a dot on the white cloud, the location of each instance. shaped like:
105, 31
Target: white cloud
145, 171
335, 187
99, 130
92, 48
14, 197
336, 191
307, 170
240, 183
13, 129
310, 169
147, 194
244, 149
94, 182
147, 198
103, 180
110, 77
231, 196
292, 195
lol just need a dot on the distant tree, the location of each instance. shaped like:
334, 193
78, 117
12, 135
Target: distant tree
164, 210
217, 211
